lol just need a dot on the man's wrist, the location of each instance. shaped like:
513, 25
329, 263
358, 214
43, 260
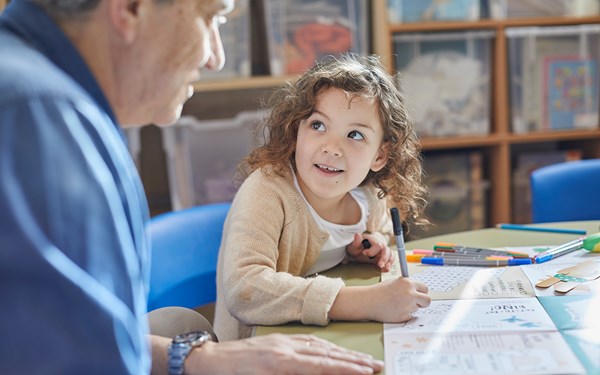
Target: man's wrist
180, 348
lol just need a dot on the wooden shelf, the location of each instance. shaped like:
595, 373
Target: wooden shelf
249, 83
458, 142
498, 145
555, 135
490, 24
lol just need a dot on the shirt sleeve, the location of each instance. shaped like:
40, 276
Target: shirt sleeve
71, 282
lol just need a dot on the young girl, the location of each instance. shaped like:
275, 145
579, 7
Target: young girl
340, 152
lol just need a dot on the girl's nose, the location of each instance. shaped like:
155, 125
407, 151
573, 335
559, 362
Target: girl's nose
331, 147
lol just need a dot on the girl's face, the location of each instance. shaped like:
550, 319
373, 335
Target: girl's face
337, 146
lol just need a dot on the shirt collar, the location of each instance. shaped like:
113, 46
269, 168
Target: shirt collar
33, 24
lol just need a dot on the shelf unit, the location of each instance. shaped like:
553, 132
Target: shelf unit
499, 144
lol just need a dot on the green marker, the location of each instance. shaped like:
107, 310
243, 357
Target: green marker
592, 243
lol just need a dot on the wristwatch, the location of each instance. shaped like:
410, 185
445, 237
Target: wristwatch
181, 346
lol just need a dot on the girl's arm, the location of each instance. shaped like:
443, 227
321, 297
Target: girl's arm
391, 301
265, 244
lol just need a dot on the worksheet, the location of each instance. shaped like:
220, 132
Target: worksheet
489, 321
461, 282
477, 315
481, 353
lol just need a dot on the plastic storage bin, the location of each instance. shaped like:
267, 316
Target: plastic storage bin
445, 78
202, 157
302, 32
235, 34
542, 8
406, 11
554, 77
458, 192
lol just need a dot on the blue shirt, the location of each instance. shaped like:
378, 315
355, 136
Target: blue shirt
73, 252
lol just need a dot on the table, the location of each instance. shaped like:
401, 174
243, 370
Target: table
367, 337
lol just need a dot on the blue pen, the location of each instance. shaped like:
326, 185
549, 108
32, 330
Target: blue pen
560, 250
541, 229
475, 262
397, 224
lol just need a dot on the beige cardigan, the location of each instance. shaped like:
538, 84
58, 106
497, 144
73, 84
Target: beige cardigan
269, 239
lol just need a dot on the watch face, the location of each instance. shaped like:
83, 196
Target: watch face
193, 337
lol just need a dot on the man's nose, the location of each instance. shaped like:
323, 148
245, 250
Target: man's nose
216, 59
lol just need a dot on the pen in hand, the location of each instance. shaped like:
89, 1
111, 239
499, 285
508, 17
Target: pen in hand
367, 245
397, 224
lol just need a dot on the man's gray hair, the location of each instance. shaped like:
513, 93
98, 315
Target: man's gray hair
71, 8
61, 8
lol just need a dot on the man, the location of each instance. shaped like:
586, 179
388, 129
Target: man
73, 252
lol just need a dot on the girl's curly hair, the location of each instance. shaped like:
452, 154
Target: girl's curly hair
400, 181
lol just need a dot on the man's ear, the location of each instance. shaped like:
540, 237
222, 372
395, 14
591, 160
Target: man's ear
382, 157
125, 17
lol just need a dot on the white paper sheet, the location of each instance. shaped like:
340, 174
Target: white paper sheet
479, 353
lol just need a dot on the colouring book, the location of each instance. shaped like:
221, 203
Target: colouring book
489, 321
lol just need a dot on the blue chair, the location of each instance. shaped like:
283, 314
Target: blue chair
185, 247
567, 191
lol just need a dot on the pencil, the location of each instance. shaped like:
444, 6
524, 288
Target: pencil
541, 229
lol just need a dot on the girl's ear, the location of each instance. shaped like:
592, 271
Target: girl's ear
382, 157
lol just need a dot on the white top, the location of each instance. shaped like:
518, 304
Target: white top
333, 251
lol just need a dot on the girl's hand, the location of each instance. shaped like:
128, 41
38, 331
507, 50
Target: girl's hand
378, 253
394, 301
390, 301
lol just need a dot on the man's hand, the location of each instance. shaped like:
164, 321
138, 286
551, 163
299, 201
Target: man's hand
279, 354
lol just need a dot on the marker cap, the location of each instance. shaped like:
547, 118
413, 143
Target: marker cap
543, 258
434, 261
519, 261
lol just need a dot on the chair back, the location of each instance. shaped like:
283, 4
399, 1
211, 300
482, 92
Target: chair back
567, 191
185, 246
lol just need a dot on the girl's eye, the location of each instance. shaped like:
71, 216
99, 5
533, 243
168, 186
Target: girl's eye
318, 125
355, 135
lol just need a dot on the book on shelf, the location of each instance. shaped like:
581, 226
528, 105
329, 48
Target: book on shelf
527, 162
570, 92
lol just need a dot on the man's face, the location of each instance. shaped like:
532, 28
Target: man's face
176, 39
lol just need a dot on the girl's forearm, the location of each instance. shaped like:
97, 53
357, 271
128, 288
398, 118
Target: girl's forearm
352, 303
